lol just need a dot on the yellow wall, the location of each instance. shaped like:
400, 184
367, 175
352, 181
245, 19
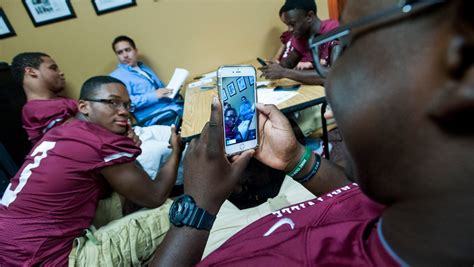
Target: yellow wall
198, 35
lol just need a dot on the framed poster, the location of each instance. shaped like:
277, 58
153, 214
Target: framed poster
224, 95
44, 12
6, 29
231, 89
106, 6
241, 84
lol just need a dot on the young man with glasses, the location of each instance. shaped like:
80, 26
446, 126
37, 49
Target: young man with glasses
43, 83
402, 92
46, 211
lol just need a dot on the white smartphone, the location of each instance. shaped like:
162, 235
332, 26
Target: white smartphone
238, 95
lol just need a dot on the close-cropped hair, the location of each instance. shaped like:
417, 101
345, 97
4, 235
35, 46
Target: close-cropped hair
227, 110
305, 5
122, 38
90, 87
24, 60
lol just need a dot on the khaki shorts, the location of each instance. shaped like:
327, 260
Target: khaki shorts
231, 219
129, 241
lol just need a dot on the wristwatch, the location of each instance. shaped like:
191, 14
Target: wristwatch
184, 211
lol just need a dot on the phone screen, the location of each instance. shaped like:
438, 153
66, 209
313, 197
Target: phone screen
238, 96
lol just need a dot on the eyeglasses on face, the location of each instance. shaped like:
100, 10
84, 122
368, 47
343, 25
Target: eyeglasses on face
115, 104
339, 39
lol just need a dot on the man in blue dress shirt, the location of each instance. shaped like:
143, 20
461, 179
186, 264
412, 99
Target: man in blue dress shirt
146, 90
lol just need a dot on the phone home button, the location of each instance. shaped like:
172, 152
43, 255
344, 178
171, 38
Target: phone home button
242, 146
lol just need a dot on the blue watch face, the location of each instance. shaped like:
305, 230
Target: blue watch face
181, 210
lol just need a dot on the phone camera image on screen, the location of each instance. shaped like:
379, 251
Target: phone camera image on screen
238, 100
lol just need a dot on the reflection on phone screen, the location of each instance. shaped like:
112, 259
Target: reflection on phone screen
238, 101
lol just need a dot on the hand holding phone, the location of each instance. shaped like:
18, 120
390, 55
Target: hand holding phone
238, 97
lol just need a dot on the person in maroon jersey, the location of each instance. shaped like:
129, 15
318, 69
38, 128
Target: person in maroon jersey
43, 83
53, 198
403, 107
302, 20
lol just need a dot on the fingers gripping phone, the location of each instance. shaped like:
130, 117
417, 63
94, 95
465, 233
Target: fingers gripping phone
238, 96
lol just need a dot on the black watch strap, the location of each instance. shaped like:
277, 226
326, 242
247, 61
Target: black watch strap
201, 219
184, 211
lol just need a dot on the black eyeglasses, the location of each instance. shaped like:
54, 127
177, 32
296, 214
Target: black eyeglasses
340, 38
115, 104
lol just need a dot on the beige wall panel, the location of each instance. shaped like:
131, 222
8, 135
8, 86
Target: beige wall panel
198, 35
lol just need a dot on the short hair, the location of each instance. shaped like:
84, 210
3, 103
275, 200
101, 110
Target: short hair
229, 109
122, 38
305, 5
90, 87
24, 60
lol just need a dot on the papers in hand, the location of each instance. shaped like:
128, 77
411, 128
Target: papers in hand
178, 79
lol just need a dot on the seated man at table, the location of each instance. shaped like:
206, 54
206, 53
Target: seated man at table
409, 138
301, 18
306, 61
44, 82
246, 109
52, 200
148, 93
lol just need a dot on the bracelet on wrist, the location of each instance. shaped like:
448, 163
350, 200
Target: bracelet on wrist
302, 163
314, 170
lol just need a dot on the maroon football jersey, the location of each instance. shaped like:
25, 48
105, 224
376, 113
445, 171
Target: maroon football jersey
301, 45
39, 116
54, 195
338, 229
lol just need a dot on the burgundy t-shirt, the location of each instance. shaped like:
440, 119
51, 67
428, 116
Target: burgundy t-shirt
337, 229
54, 195
302, 47
39, 116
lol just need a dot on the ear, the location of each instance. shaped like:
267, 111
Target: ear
32, 72
83, 107
310, 16
453, 107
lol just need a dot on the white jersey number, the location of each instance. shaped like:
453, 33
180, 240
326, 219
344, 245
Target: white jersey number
39, 153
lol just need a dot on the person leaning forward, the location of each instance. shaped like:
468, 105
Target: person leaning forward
403, 114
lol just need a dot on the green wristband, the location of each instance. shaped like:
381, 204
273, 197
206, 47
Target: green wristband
302, 163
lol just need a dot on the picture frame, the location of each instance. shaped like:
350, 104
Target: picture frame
44, 12
231, 89
241, 84
224, 95
251, 80
106, 6
6, 29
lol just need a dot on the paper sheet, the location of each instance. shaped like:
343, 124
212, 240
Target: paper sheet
200, 82
268, 96
178, 79
263, 83
209, 75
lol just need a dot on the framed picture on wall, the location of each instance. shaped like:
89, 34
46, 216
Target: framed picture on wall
6, 29
106, 6
241, 84
224, 95
44, 12
231, 89
251, 80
